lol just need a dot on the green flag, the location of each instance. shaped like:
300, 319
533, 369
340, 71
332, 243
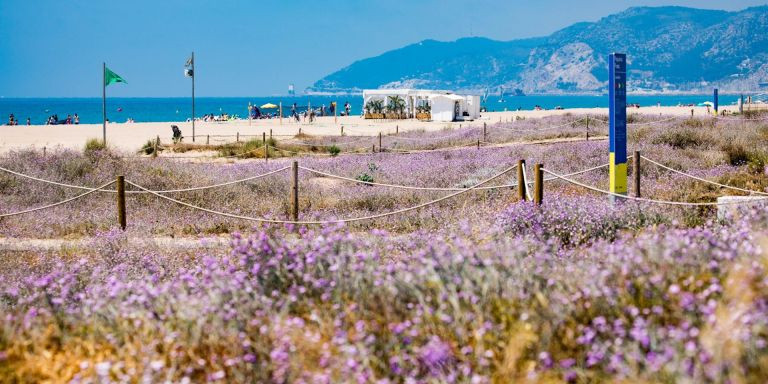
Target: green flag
111, 77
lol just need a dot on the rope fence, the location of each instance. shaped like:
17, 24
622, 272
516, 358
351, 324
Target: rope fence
322, 222
398, 186
84, 194
645, 200
101, 189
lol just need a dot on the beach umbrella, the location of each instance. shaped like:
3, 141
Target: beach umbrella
706, 104
268, 106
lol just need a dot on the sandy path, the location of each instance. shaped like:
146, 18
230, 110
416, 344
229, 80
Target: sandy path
130, 137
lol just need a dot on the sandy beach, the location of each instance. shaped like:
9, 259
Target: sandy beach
131, 136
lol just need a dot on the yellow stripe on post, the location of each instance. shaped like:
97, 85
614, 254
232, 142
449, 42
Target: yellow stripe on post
618, 175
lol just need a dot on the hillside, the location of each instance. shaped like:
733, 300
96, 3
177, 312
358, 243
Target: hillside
669, 48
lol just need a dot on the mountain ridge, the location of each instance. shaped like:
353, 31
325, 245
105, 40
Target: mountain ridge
670, 49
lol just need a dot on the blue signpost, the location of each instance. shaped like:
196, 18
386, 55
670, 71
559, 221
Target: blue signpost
717, 103
617, 79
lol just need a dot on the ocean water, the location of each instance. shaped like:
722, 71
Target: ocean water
180, 109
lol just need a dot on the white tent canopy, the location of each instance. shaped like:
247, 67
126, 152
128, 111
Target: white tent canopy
445, 105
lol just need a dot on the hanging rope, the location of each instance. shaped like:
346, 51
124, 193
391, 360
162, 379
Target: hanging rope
57, 204
160, 191
402, 186
311, 222
664, 202
703, 180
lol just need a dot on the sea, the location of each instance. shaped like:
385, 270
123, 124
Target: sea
173, 109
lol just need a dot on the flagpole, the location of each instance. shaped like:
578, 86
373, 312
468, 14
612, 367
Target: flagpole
104, 102
193, 96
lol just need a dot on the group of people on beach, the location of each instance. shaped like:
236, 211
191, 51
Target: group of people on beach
54, 120
212, 117
310, 113
13, 121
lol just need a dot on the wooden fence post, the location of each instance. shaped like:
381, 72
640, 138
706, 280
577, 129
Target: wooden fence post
43, 151
587, 127
238, 137
636, 172
120, 186
521, 186
207, 139
342, 130
270, 133
155, 145
266, 148
538, 184
295, 191
397, 129
373, 148
478, 143
485, 135
381, 149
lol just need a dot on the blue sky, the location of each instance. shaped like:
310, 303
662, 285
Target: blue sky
249, 48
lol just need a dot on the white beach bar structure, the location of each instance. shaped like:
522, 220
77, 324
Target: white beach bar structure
445, 105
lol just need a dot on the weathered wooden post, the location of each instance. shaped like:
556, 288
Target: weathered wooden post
270, 133
155, 144
521, 186
120, 186
238, 137
43, 151
299, 130
485, 135
342, 130
397, 129
538, 184
636, 172
478, 143
207, 139
381, 149
295, 191
266, 148
587, 127
373, 148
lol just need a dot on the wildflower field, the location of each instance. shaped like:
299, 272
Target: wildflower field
480, 287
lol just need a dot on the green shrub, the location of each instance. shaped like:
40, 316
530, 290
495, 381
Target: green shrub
682, 138
736, 154
693, 123
334, 150
93, 145
365, 177
148, 147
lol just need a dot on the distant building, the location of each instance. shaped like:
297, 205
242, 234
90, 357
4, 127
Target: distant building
423, 104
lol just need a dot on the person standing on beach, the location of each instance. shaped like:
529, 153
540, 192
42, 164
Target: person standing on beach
11, 118
347, 108
77, 119
29, 121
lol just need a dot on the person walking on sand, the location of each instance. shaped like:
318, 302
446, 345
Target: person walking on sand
347, 108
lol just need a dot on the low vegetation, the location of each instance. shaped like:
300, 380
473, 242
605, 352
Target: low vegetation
478, 288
